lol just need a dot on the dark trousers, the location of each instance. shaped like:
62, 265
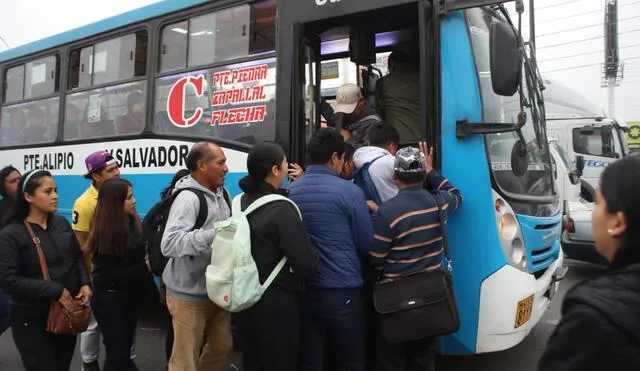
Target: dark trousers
116, 313
269, 332
5, 312
334, 315
40, 350
418, 355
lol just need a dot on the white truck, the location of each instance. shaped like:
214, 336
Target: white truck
581, 128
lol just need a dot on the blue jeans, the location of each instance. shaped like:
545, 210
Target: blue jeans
5, 312
116, 313
337, 316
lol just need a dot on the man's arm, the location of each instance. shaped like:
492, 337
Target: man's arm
361, 221
381, 242
179, 238
81, 224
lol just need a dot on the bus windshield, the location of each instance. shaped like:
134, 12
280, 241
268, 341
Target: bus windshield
563, 156
538, 180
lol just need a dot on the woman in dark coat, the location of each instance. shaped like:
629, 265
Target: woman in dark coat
21, 274
9, 178
600, 326
269, 331
120, 271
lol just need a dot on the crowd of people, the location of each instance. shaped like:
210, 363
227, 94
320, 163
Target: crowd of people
339, 239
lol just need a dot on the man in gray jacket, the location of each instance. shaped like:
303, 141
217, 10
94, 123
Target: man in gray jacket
380, 155
194, 317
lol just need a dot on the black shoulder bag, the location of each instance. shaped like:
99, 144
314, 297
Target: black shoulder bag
420, 305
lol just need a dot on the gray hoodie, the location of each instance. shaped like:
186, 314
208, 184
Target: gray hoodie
381, 170
189, 250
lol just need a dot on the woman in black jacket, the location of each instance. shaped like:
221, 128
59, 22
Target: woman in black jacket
9, 178
600, 326
21, 274
269, 330
119, 270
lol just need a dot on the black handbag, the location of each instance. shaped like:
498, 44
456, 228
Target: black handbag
420, 305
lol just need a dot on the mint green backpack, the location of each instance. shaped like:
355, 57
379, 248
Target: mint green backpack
232, 277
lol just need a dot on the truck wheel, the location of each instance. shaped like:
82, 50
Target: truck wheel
587, 192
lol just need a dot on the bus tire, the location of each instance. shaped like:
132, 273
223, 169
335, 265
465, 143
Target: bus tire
587, 192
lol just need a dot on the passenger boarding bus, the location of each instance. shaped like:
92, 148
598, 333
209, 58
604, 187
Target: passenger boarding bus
147, 84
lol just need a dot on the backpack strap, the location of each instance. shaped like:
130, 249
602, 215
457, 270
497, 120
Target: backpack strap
275, 272
267, 199
203, 210
227, 197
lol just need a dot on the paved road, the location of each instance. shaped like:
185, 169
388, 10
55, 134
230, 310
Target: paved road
523, 357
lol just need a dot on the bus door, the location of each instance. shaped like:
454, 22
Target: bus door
312, 31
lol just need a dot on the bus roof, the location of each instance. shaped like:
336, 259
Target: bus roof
120, 20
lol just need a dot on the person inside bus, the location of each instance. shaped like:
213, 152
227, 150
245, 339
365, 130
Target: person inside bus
72, 122
407, 243
398, 97
36, 130
600, 327
337, 219
276, 232
119, 271
97, 126
358, 116
12, 128
9, 178
21, 273
133, 121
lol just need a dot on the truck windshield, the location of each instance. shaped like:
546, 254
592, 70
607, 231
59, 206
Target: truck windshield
594, 141
538, 180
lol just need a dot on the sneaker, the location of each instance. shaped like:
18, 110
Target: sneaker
91, 366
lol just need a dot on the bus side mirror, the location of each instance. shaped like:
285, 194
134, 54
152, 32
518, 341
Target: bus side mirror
506, 59
580, 163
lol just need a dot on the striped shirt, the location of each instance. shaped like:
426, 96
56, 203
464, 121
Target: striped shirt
408, 235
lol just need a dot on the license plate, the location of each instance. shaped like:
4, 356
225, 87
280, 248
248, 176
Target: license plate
523, 311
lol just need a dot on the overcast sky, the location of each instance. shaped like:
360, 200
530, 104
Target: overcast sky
564, 28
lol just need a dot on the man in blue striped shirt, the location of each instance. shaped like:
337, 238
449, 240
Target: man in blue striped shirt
409, 239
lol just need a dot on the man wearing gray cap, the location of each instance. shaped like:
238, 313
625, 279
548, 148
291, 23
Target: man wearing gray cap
359, 117
409, 239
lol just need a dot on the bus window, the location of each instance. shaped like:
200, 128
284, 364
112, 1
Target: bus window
173, 51
219, 36
41, 77
30, 123
109, 61
234, 102
14, 84
80, 67
108, 111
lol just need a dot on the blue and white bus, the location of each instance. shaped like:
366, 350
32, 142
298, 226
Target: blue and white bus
148, 83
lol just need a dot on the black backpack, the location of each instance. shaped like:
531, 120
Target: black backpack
155, 222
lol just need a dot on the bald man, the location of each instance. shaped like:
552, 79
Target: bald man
194, 317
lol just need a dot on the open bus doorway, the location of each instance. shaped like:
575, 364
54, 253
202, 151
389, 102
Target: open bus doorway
354, 49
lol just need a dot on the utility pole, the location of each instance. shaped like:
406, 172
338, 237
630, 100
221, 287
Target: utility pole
532, 28
612, 69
